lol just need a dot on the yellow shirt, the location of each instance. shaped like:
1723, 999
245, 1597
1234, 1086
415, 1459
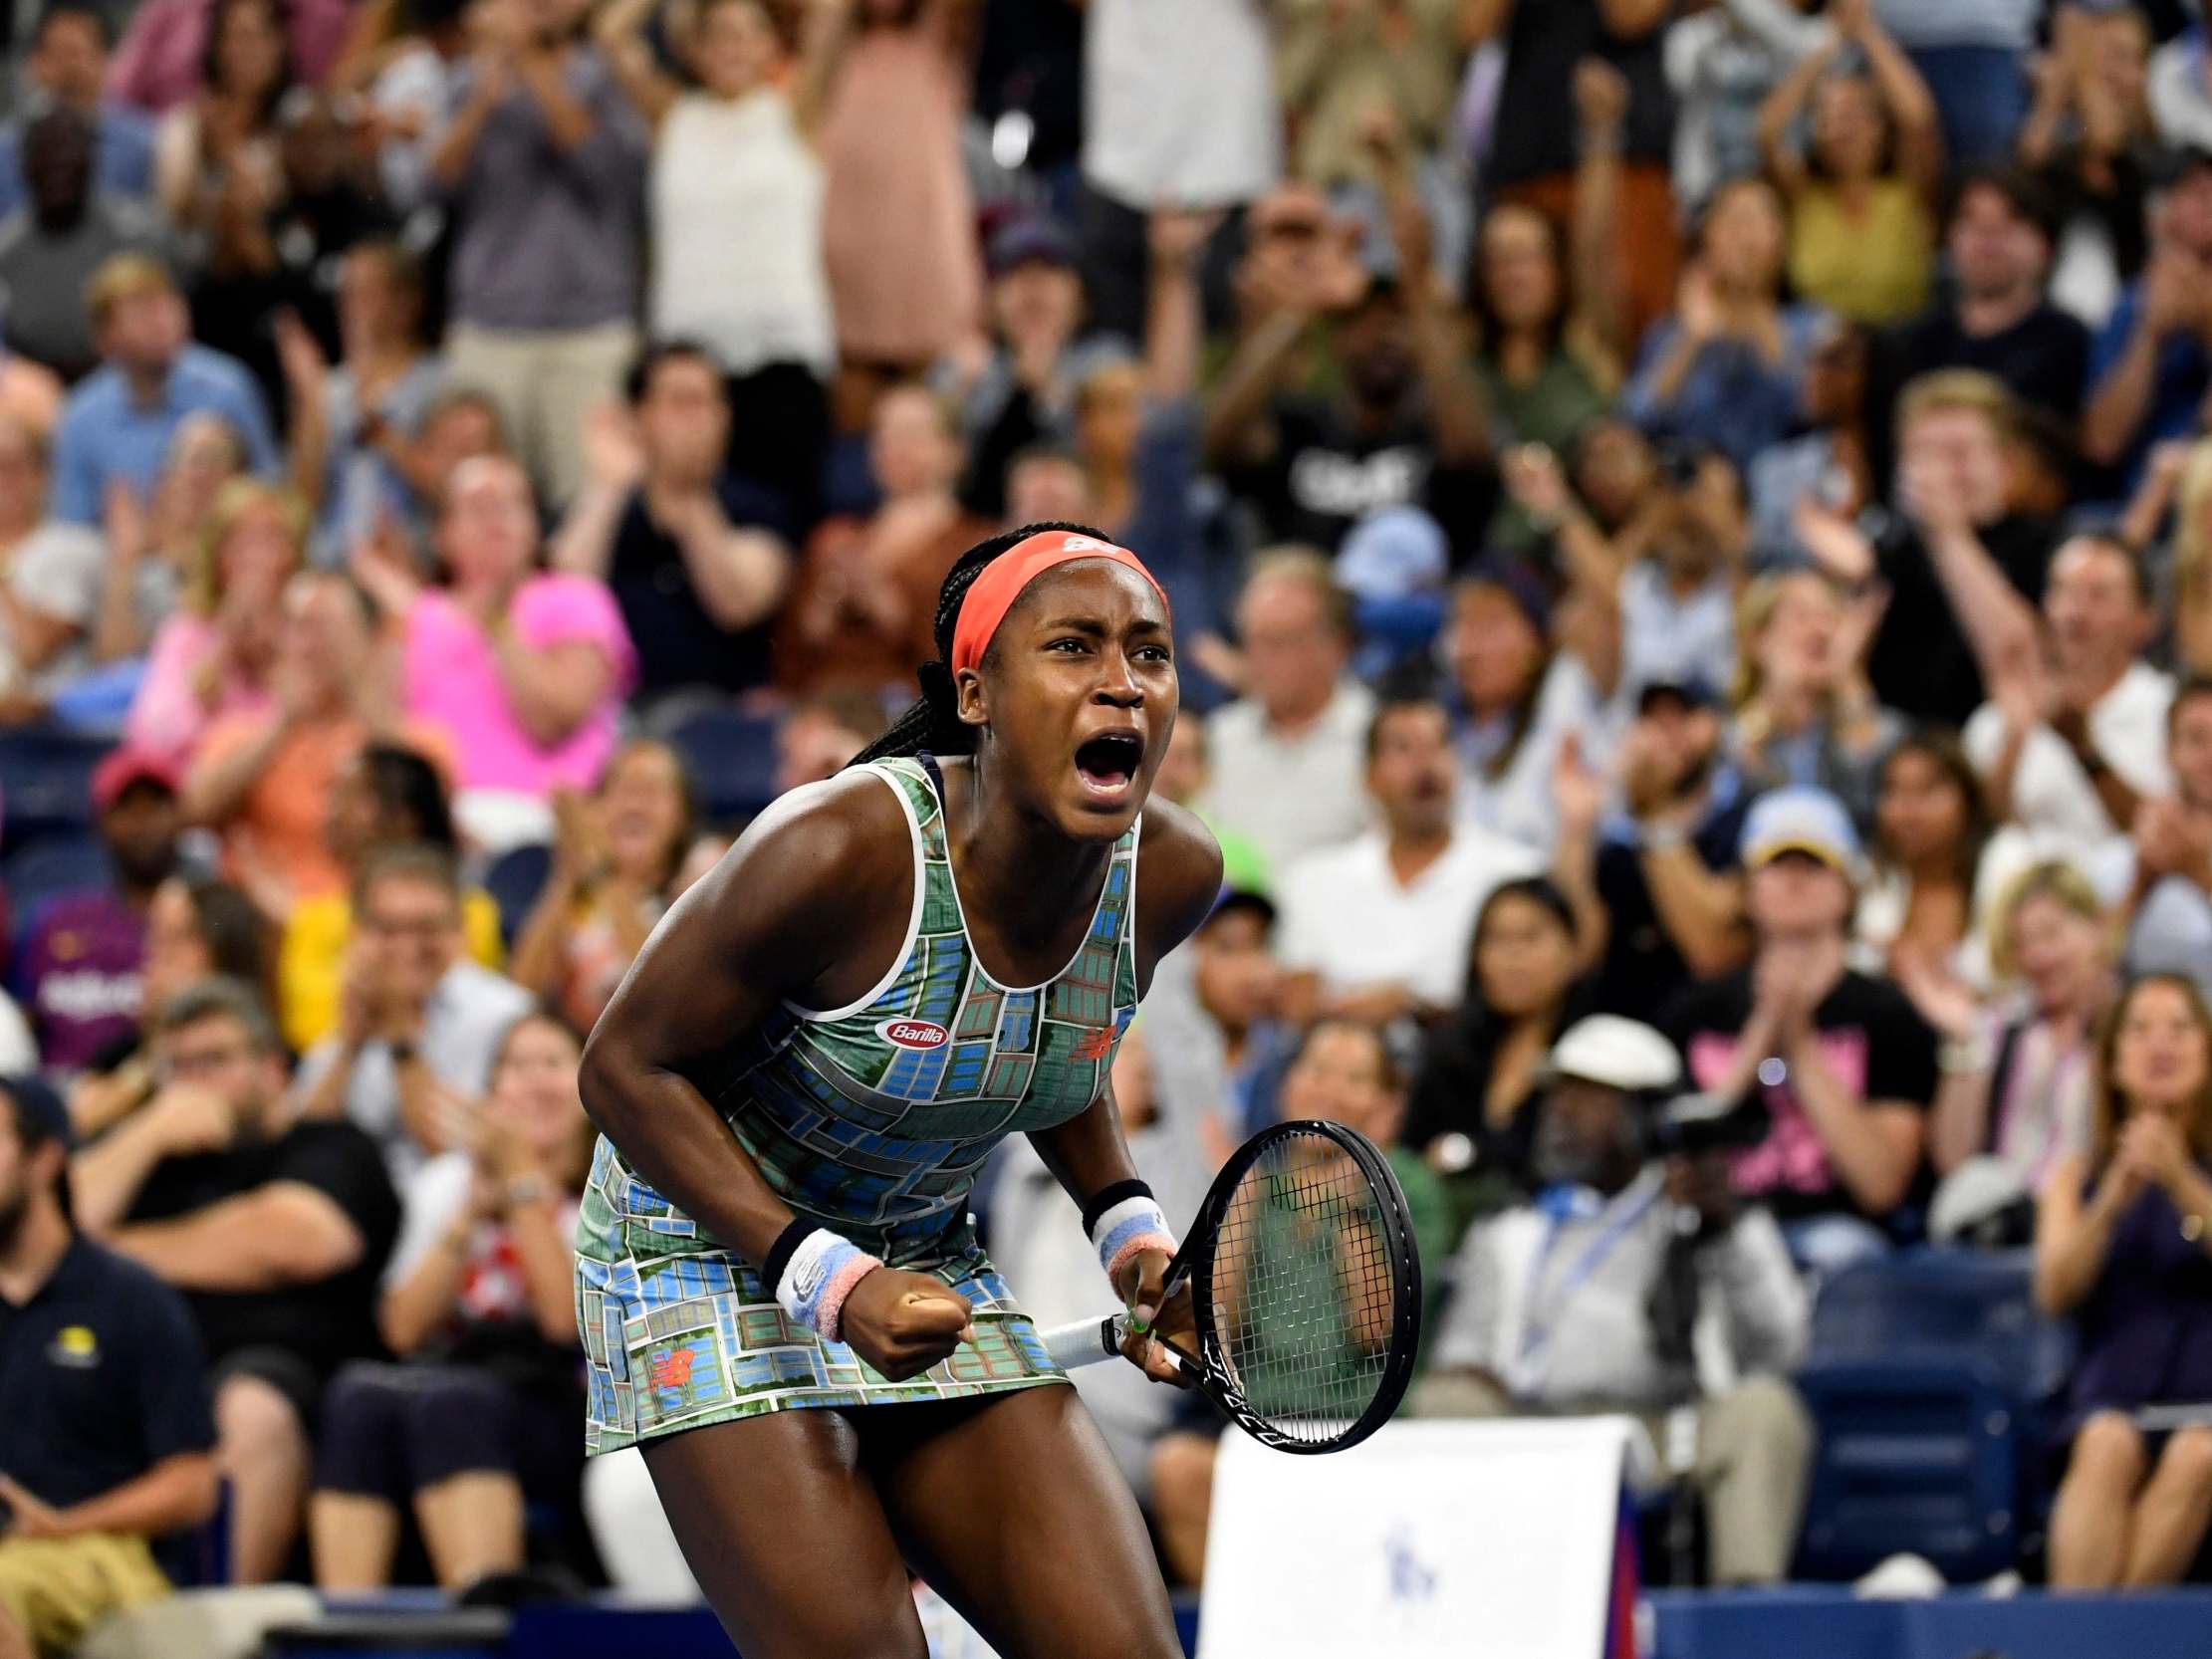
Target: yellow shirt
1871, 267
311, 959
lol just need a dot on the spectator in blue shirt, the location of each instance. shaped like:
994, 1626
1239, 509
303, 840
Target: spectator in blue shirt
116, 426
104, 1432
2152, 367
67, 64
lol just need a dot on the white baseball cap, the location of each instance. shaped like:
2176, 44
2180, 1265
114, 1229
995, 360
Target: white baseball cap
1620, 1053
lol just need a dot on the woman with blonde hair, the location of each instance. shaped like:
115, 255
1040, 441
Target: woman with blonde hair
2016, 1081
213, 658
2124, 1243
1803, 710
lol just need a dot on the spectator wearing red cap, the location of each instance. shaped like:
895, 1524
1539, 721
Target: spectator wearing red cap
79, 968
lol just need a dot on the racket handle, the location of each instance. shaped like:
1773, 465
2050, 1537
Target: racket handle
1086, 1341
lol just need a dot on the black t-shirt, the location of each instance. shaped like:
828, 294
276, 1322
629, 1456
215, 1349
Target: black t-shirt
326, 1322
1871, 1036
1451, 1090
1644, 971
1921, 663
101, 1376
1325, 475
2044, 359
1535, 132
684, 646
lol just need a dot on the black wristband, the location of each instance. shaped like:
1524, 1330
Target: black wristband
1107, 1197
780, 1253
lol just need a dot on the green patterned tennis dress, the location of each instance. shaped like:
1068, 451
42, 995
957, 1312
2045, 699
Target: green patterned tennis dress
871, 1121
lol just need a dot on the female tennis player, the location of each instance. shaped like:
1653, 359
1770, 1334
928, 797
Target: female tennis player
780, 1298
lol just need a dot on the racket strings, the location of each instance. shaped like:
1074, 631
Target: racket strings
1305, 1289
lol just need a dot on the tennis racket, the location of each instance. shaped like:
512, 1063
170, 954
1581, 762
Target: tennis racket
1305, 1292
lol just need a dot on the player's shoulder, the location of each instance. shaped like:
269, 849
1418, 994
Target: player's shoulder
840, 844
1179, 876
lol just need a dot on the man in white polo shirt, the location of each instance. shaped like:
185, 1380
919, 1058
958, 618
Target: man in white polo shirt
1380, 926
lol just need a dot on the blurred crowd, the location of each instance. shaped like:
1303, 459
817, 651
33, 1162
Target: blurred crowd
1689, 525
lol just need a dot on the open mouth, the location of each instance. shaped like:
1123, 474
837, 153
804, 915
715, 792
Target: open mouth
1108, 762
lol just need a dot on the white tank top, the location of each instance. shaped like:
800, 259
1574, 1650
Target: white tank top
737, 234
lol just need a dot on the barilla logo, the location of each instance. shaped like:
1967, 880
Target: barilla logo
913, 1033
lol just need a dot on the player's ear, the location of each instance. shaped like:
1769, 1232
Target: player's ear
969, 700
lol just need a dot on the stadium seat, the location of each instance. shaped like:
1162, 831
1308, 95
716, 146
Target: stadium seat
52, 867
46, 777
1928, 1377
732, 760
514, 879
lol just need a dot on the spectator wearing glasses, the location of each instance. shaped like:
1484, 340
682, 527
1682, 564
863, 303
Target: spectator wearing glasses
419, 1022
104, 1432
276, 1230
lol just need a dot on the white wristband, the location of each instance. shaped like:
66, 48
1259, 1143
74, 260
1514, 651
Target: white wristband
1133, 1225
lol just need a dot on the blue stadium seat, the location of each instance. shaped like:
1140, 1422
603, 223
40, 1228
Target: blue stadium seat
46, 777
1928, 1376
52, 867
732, 759
514, 879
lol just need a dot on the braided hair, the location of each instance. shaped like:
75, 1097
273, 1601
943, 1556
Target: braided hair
933, 721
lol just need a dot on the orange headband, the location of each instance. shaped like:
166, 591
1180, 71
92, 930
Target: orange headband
992, 595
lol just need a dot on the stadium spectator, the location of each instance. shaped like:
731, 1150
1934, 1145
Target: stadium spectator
698, 559
2169, 842
1862, 189
2120, 1245
1857, 1070
859, 613
385, 795
1533, 151
153, 550
197, 927
2017, 1082
66, 64
418, 1023
50, 583
2149, 365
275, 1229
614, 860
1402, 426
2092, 140
736, 190
1237, 988
819, 735
1512, 700
1476, 1092
897, 221
1284, 761
1182, 778
1831, 465
78, 965
104, 1434
1998, 242
1721, 63
1178, 108
1379, 928
214, 657
1803, 712
263, 780
1918, 919
53, 242
116, 426
165, 58
542, 163
1665, 872
2073, 735
1335, 66
477, 1421
216, 169
1726, 369
354, 426
525, 668
1973, 59
1607, 1292
459, 423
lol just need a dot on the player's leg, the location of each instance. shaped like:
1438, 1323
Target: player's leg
784, 1531
1012, 1508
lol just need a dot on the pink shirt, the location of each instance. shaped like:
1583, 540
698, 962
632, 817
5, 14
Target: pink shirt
452, 677
157, 65
175, 705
